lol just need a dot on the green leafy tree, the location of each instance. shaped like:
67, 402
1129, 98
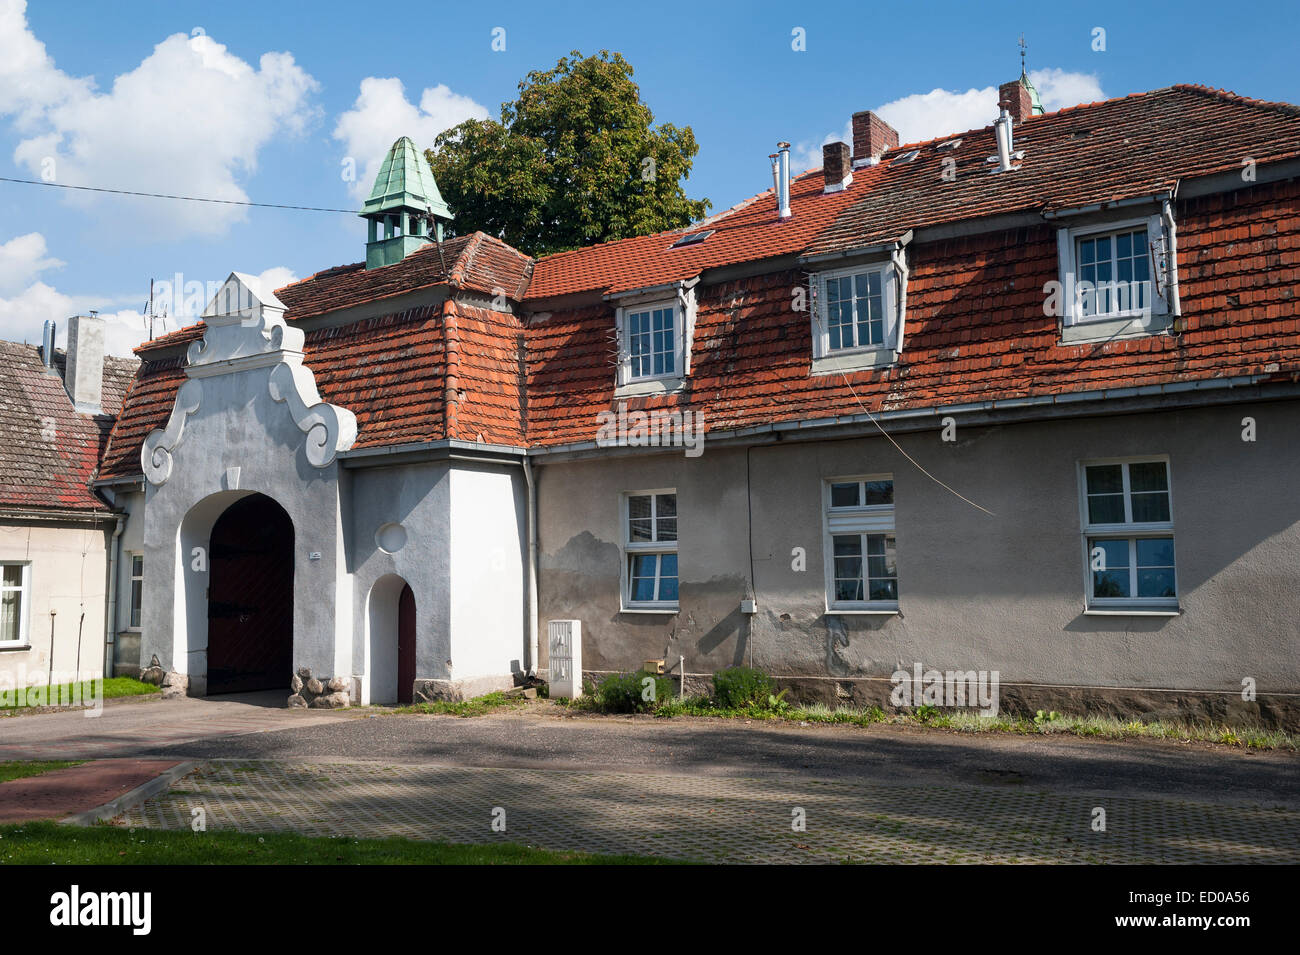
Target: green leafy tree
575, 160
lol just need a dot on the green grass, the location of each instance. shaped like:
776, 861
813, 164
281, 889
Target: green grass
969, 722
48, 843
113, 687
475, 707
18, 770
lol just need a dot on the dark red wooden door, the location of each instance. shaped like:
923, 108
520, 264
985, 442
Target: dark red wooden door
406, 645
250, 598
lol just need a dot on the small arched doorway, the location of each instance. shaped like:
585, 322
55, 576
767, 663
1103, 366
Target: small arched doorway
250, 598
390, 641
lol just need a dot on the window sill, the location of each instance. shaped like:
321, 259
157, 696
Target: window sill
653, 386
650, 610
854, 361
1132, 612
863, 613
14, 647
1132, 325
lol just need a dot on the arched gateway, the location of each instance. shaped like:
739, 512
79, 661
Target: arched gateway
250, 597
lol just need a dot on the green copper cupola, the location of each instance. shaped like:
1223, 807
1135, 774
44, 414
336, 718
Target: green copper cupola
402, 205
1035, 101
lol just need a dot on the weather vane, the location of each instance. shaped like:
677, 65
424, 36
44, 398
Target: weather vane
1023, 47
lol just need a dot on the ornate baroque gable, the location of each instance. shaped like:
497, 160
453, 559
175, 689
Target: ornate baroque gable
246, 330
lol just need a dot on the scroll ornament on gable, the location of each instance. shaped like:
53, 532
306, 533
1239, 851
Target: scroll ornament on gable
246, 330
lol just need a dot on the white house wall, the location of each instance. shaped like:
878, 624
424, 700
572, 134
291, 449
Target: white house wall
417, 498
65, 606
238, 425
488, 548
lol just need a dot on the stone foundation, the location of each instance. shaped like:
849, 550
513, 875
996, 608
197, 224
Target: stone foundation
330, 693
1275, 712
454, 691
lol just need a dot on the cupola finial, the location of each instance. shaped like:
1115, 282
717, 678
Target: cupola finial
404, 203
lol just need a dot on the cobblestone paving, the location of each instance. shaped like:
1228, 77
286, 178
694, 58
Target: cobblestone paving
718, 819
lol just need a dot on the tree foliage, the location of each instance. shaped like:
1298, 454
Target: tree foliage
576, 159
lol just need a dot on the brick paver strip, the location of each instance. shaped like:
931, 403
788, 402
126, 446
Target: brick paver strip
62, 792
718, 819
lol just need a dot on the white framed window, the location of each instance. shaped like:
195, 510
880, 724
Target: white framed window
649, 520
654, 334
860, 548
137, 590
15, 599
1116, 277
855, 318
1128, 534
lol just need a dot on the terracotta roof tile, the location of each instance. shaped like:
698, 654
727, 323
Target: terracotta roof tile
49, 452
975, 326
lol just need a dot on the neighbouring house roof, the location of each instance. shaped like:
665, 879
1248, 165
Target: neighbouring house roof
976, 326
49, 452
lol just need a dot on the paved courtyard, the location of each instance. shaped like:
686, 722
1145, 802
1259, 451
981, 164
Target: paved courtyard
731, 819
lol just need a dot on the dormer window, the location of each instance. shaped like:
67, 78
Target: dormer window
1118, 278
856, 318
653, 344
654, 334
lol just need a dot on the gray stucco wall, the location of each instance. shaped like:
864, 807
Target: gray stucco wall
417, 497
237, 424
999, 593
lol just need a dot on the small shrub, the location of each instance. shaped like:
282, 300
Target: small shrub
629, 693
738, 687
777, 704
925, 713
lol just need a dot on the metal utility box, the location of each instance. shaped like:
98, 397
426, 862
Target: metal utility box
564, 655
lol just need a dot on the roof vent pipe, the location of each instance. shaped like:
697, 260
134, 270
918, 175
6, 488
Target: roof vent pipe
781, 173
1002, 130
47, 345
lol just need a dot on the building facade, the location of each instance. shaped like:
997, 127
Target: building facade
997, 402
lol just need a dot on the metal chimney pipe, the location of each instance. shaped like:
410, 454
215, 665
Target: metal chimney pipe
783, 183
1002, 130
47, 344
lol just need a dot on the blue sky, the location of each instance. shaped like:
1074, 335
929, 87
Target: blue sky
270, 101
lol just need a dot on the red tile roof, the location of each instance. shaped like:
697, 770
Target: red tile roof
478, 262
1118, 149
976, 328
49, 452
744, 233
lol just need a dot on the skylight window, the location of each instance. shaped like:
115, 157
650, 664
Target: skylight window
950, 144
695, 238
906, 157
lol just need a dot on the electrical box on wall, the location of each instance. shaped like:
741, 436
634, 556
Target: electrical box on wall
564, 657
749, 606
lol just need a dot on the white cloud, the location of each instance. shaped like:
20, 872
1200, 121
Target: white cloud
29, 81
382, 114
26, 302
22, 259
923, 116
1059, 89
277, 277
190, 119
23, 316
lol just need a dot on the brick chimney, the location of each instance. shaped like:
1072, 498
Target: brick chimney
837, 167
1015, 99
871, 136
83, 375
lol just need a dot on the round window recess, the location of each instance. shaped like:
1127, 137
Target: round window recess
390, 538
